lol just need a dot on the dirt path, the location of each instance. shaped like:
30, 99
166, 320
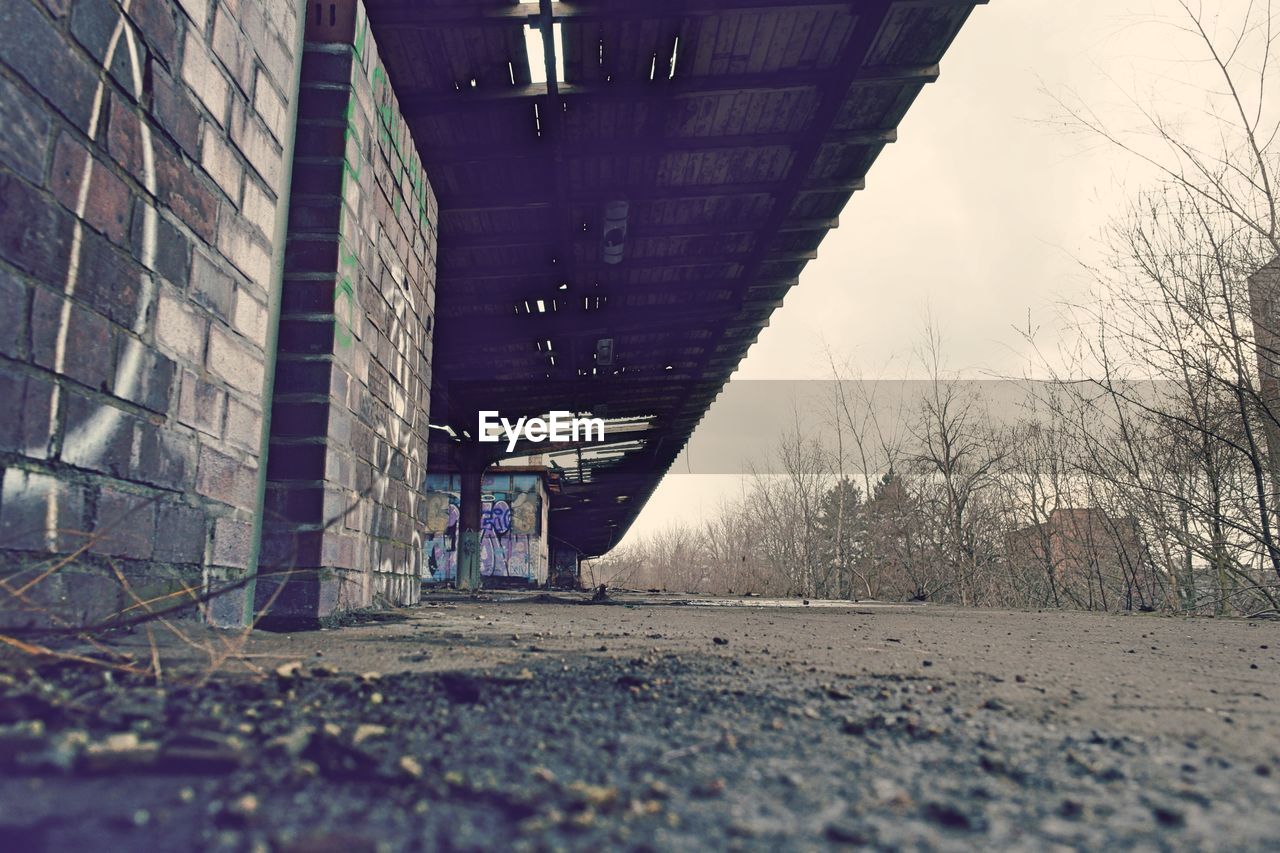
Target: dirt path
518, 722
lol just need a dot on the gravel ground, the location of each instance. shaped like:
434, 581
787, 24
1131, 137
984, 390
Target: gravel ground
523, 723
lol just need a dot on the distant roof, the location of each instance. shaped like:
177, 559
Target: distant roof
719, 141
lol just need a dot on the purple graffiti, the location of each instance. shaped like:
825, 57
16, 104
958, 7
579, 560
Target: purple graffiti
496, 518
503, 551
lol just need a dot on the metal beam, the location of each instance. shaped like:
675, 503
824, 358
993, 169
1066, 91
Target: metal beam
427, 105
635, 232
503, 152
412, 14
471, 279
480, 202
505, 268
600, 323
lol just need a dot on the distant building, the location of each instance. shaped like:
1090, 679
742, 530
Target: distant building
1264, 308
1089, 560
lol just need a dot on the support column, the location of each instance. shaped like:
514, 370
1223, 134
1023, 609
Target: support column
471, 465
351, 392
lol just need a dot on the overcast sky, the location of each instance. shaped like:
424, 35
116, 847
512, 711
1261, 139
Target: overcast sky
983, 212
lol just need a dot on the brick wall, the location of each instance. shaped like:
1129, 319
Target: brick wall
349, 420
141, 163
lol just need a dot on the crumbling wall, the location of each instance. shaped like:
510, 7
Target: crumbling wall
142, 163
350, 417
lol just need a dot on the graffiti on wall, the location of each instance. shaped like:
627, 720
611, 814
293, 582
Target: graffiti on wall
511, 540
398, 455
87, 441
392, 129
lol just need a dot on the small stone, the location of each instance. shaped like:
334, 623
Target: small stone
294, 742
119, 752
597, 796
364, 731
245, 806
290, 670
713, 788
843, 832
948, 815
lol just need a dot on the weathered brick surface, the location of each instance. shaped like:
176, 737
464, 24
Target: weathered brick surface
106, 198
349, 418
234, 360
135, 280
38, 51
202, 405
22, 145
205, 79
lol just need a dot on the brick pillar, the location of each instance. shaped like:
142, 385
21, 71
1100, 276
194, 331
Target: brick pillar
349, 417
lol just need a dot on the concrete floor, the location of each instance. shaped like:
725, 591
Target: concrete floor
534, 722
1216, 679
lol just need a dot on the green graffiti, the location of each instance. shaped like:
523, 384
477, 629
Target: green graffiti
352, 133
406, 170
393, 133
343, 298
